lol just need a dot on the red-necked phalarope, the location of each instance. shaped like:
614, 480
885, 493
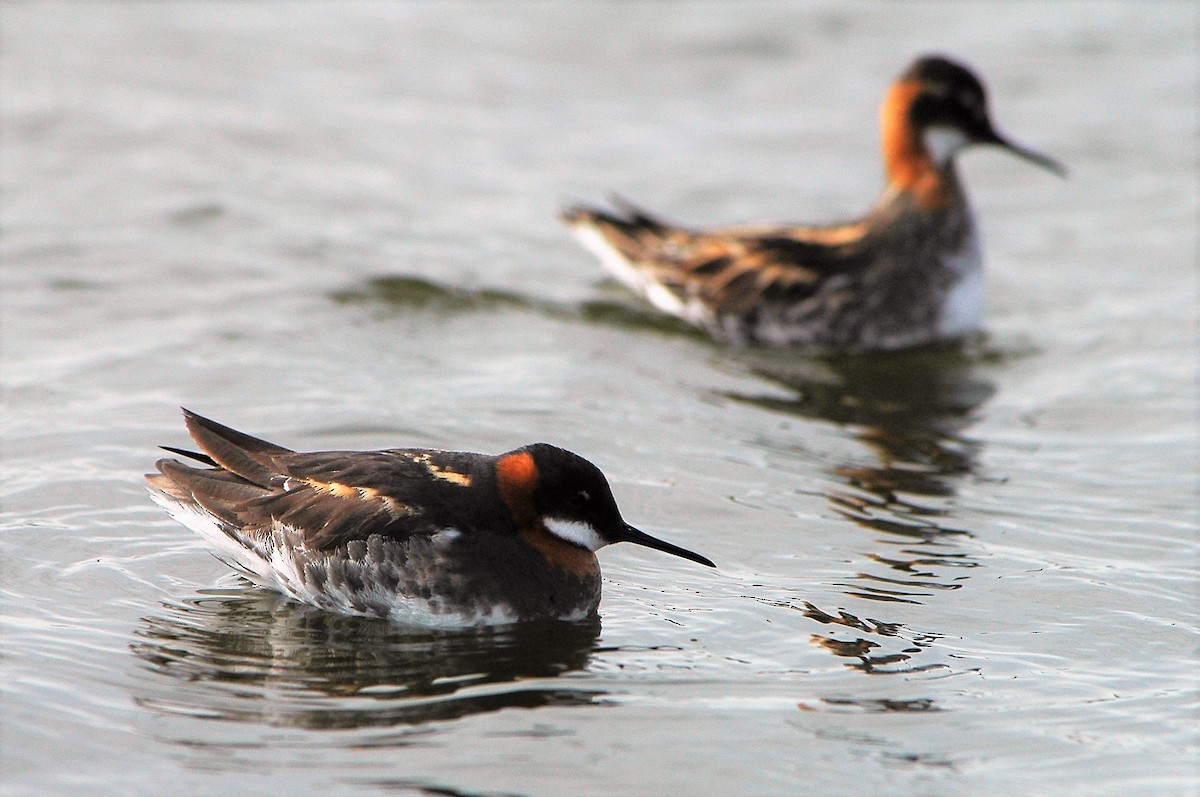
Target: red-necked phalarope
420, 536
908, 273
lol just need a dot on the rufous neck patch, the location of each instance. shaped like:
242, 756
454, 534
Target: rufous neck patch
580, 562
909, 167
516, 479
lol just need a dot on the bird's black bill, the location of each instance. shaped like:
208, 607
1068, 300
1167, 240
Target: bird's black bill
183, 452
1033, 156
630, 534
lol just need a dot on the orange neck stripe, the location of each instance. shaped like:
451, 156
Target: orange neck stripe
908, 165
516, 479
559, 553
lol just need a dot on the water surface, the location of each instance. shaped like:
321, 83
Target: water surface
961, 571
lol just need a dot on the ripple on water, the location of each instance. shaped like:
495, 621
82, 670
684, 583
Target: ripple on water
261, 659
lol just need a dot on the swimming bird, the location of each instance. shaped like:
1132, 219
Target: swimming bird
907, 273
419, 536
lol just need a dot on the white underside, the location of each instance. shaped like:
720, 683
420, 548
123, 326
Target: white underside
638, 280
963, 309
276, 566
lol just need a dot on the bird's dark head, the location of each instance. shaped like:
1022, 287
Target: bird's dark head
571, 498
946, 106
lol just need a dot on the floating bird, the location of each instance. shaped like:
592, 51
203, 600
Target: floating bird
906, 274
427, 537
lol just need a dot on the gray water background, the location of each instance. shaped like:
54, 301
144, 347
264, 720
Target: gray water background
941, 573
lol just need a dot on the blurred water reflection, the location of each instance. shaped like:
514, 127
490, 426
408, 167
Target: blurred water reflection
403, 293
909, 411
187, 187
254, 657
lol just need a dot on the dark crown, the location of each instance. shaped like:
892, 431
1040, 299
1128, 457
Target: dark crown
941, 71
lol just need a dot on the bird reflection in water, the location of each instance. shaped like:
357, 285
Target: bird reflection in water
260, 658
909, 410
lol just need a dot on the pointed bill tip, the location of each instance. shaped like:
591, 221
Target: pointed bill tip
631, 534
1033, 156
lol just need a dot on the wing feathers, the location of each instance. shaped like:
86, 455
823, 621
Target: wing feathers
333, 497
248, 457
731, 270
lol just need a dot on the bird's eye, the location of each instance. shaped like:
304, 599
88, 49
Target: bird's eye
577, 500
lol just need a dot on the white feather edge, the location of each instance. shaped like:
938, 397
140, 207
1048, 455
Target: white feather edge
230, 551
637, 279
280, 571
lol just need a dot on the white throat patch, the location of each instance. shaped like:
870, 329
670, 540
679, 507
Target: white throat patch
942, 143
575, 532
